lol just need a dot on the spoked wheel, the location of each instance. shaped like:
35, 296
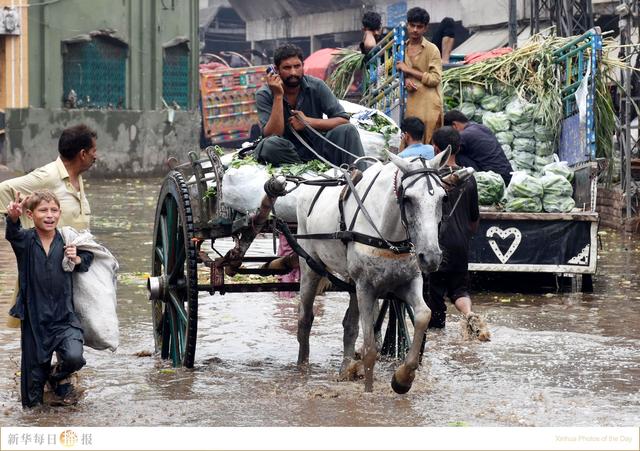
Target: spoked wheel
397, 337
173, 283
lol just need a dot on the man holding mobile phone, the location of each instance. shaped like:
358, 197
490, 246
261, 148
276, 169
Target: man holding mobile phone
292, 101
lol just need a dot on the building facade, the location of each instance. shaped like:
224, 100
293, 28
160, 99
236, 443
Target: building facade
127, 68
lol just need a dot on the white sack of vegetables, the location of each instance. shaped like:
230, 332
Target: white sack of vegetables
243, 187
490, 187
556, 185
378, 132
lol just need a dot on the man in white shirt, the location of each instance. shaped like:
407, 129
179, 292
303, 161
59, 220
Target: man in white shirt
78, 152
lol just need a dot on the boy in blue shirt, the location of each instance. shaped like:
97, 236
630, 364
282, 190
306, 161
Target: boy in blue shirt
412, 133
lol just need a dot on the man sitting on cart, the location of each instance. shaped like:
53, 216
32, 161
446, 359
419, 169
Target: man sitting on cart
293, 103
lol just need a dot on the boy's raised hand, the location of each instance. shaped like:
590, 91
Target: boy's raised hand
16, 207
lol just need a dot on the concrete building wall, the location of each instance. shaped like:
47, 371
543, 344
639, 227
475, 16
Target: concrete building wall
144, 25
267, 23
130, 143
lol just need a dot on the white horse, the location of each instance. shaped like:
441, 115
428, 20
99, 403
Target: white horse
400, 185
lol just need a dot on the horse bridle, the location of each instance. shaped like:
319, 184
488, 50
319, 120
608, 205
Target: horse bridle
399, 188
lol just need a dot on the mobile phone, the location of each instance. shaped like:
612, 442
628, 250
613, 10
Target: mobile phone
271, 69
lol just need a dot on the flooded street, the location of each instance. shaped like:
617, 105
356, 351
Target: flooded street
555, 359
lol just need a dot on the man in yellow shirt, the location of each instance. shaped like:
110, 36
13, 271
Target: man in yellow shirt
77, 149
78, 152
422, 69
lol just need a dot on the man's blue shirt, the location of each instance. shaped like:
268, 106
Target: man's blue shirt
418, 150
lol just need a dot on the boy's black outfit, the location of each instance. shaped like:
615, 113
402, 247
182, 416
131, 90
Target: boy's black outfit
452, 278
45, 307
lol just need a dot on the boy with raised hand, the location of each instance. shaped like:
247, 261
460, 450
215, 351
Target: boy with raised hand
44, 305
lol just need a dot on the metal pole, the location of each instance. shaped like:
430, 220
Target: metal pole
627, 115
513, 24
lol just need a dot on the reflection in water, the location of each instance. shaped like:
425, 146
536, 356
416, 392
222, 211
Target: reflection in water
554, 360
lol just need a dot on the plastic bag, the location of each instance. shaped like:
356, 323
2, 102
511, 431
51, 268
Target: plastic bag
558, 204
560, 168
556, 185
490, 187
544, 148
542, 133
523, 160
506, 148
523, 185
524, 204
504, 137
518, 110
523, 130
524, 145
496, 122
243, 187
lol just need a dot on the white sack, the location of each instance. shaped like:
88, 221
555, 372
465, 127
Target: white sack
243, 187
94, 291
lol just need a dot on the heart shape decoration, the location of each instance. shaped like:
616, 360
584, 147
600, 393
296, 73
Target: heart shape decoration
504, 234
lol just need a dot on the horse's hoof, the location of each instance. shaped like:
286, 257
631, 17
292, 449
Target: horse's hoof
399, 388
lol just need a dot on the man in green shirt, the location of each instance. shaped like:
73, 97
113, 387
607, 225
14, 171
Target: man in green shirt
291, 101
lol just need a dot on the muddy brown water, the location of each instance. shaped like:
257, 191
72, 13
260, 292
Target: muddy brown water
555, 359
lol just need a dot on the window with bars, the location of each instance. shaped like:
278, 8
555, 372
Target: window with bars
94, 74
175, 75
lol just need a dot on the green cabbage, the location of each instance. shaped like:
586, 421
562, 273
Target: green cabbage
491, 103
518, 110
544, 148
523, 160
472, 92
506, 148
490, 187
496, 122
524, 145
504, 137
523, 130
542, 133
468, 109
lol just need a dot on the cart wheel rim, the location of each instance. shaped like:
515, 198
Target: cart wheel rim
175, 314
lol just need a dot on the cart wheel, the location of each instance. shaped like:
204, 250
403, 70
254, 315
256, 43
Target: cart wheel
397, 337
173, 282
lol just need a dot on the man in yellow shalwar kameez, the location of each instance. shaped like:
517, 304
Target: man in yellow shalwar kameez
422, 68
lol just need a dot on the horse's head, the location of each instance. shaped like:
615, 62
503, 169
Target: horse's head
420, 196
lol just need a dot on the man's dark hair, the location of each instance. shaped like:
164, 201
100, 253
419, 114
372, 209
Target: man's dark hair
286, 51
446, 136
418, 15
455, 115
414, 127
371, 21
74, 139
